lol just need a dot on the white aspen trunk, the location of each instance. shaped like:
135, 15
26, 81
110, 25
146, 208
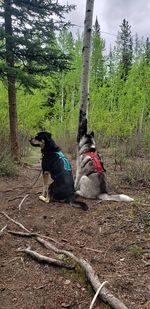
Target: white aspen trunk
62, 99
84, 97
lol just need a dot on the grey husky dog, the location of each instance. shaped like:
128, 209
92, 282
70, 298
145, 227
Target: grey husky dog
90, 179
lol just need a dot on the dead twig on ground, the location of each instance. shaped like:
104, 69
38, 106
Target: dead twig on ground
30, 234
16, 222
18, 188
96, 294
104, 294
94, 250
15, 198
92, 277
2, 230
44, 259
22, 201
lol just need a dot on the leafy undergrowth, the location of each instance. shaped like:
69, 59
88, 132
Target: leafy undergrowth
112, 237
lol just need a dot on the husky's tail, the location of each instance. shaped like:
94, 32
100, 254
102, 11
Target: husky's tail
117, 198
77, 204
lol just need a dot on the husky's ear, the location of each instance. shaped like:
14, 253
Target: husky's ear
92, 133
48, 136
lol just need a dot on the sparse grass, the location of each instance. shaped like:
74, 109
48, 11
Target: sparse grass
137, 171
147, 227
135, 249
8, 167
68, 144
32, 156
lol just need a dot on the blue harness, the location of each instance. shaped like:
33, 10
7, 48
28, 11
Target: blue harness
67, 165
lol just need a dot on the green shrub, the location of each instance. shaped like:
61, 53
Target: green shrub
7, 166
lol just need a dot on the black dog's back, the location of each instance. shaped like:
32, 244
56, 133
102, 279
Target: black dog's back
56, 163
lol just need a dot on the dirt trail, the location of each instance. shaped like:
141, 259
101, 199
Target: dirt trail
113, 237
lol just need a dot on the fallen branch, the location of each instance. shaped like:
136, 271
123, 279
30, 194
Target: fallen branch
30, 234
48, 245
44, 259
104, 294
15, 198
21, 196
22, 201
3, 229
94, 250
16, 222
96, 294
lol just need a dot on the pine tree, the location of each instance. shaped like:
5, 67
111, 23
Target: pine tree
110, 61
125, 46
27, 30
97, 57
147, 51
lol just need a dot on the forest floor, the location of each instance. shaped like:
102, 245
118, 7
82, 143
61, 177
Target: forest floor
112, 236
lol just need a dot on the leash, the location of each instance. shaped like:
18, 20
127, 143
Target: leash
36, 179
31, 187
28, 190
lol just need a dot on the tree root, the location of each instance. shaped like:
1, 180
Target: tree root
102, 292
44, 259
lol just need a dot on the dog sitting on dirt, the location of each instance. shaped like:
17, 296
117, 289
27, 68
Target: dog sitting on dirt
55, 164
90, 179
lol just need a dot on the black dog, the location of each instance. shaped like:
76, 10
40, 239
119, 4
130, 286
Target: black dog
57, 165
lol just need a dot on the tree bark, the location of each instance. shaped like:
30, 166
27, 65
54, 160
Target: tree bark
84, 97
11, 80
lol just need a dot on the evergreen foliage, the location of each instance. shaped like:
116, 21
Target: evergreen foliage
125, 44
97, 56
28, 39
119, 108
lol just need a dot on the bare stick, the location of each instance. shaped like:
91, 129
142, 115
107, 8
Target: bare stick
96, 294
44, 259
3, 229
104, 294
16, 222
15, 198
94, 250
48, 245
23, 234
22, 201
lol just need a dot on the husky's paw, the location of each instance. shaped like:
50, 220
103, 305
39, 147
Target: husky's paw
78, 192
44, 199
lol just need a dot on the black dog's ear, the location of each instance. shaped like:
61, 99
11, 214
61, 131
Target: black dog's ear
92, 133
48, 136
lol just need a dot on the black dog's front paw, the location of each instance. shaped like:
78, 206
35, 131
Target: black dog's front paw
44, 199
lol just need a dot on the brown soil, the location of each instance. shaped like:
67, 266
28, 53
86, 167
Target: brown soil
118, 232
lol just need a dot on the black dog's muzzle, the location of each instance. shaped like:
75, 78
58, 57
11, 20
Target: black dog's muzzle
34, 142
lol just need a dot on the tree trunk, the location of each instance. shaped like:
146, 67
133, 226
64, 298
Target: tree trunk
86, 62
11, 80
